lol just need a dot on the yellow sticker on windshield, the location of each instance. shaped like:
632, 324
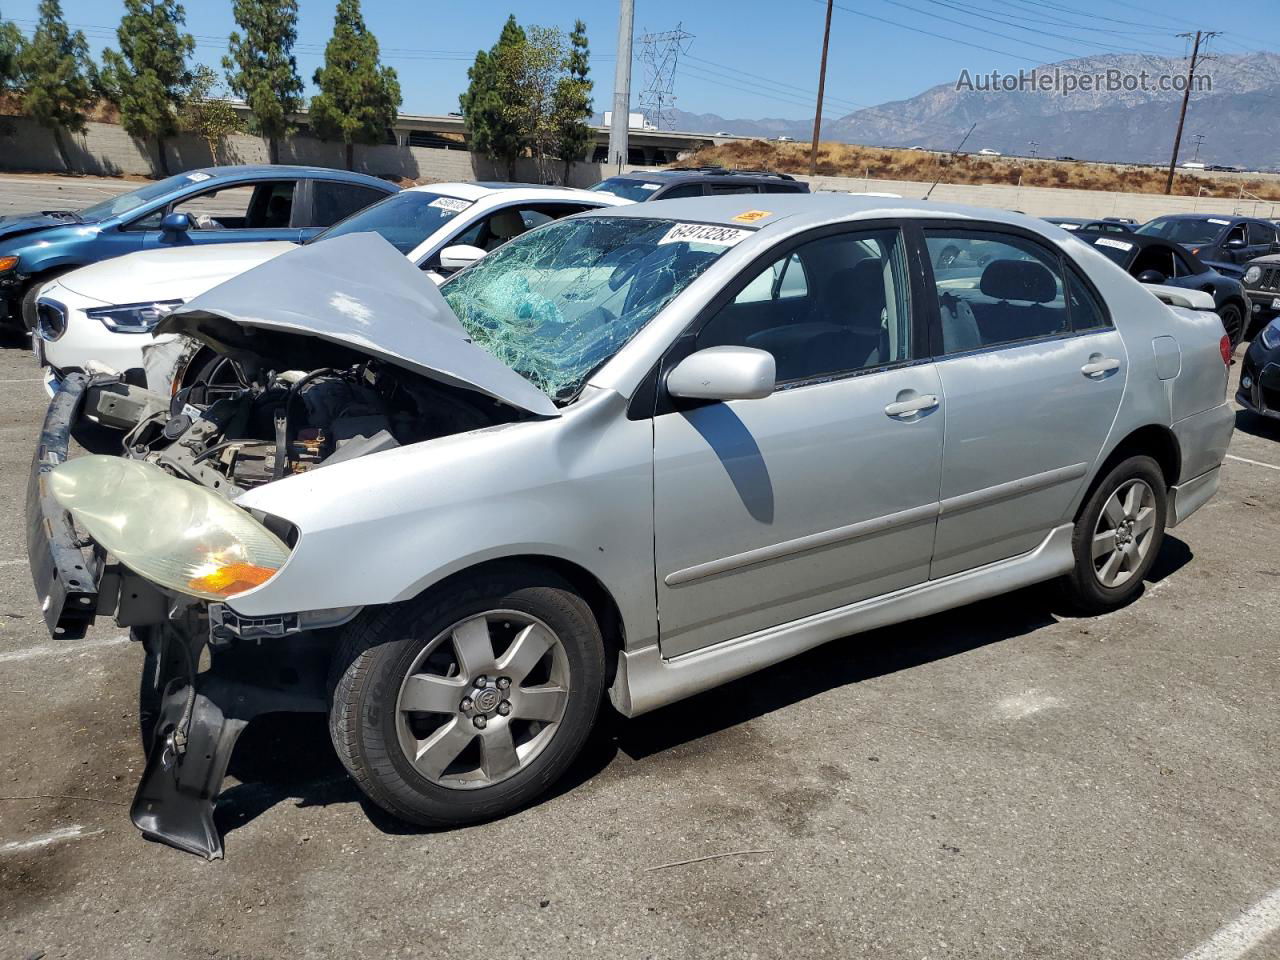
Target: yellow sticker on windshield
751, 216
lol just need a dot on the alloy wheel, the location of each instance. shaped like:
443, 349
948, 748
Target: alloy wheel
1123, 535
483, 699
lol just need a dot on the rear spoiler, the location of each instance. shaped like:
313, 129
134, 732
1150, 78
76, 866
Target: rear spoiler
1180, 297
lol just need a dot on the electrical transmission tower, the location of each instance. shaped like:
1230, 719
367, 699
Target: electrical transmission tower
660, 54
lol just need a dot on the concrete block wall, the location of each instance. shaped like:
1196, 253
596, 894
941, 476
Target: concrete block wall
1052, 201
104, 149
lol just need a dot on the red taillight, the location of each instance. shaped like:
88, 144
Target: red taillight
1225, 346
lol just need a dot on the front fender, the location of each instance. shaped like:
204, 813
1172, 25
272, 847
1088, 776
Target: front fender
384, 528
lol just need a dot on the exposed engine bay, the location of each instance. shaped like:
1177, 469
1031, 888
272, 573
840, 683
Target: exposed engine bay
241, 421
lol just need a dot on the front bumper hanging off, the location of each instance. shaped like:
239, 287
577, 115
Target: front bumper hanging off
192, 717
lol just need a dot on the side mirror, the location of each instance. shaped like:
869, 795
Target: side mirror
175, 223
1235, 243
459, 255
724, 373
1151, 276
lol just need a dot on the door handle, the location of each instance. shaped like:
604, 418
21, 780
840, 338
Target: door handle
904, 408
1096, 368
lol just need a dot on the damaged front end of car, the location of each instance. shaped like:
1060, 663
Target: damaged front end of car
327, 354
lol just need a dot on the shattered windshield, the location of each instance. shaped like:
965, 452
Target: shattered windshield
403, 219
558, 302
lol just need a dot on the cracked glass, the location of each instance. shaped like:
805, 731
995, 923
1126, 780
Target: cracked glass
558, 302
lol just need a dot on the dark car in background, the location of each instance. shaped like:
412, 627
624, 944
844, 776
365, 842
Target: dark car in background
1262, 283
1153, 260
1101, 224
214, 205
1226, 243
642, 185
1260, 373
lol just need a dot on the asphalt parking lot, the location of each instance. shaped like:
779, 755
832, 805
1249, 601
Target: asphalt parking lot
998, 781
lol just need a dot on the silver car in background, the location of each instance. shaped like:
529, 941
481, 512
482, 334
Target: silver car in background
641, 451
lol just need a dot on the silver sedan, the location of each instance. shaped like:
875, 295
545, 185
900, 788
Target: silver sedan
638, 453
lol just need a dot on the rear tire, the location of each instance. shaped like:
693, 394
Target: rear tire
440, 714
1117, 536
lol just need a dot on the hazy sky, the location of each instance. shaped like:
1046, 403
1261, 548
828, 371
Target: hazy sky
748, 58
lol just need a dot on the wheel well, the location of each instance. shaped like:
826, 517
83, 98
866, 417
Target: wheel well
1154, 441
603, 607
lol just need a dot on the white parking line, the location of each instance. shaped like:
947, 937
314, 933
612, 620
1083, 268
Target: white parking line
1256, 463
76, 832
58, 649
1244, 933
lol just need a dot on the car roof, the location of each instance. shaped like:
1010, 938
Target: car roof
802, 210
264, 170
480, 190
700, 173
1228, 217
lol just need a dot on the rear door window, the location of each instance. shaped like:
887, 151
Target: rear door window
995, 288
332, 201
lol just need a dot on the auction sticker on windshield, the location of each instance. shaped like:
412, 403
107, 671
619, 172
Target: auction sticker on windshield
751, 216
452, 204
704, 233
1221, 223
1114, 244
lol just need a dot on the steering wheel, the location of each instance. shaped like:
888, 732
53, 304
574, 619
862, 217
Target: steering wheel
628, 259
949, 255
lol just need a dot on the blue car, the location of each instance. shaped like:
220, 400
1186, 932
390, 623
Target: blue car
1225, 242
214, 205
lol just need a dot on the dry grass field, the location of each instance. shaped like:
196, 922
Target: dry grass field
882, 163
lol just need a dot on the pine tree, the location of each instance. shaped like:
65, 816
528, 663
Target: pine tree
56, 76
146, 79
261, 68
489, 105
572, 107
10, 48
358, 98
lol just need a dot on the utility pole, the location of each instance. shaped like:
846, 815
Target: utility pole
618, 145
822, 83
1199, 140
1033, 144
1186, 97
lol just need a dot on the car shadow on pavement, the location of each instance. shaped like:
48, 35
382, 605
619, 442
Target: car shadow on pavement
288, 757
1264, 427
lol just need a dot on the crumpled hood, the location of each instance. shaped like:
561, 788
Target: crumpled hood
172, 273
361, 292
17, 224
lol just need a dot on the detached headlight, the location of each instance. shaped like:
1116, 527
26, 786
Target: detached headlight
133, 317
173, 532
1253, 275
1271, 334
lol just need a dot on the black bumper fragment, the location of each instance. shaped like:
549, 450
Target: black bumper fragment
64, 572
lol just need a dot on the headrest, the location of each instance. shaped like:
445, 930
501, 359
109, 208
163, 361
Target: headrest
506, 224
1018, 280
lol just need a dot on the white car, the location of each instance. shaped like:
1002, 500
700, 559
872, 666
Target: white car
101, 316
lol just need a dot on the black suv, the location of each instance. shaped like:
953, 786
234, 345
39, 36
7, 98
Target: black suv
641, 185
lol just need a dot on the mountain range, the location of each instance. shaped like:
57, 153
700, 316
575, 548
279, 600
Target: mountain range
1239, 116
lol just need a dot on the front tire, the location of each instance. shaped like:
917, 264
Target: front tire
1117, 536
468, 702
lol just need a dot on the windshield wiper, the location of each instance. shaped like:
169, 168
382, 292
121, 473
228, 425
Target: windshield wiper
62, 215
